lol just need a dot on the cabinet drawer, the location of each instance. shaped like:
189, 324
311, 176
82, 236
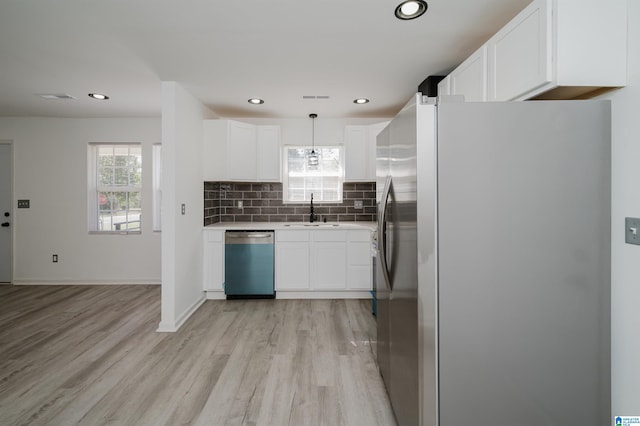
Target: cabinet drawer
290, 235
329, 236
360, 236
216, 236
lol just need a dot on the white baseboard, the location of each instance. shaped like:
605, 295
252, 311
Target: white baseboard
171, 327
353, 294
215, 294
153, 281
364, 294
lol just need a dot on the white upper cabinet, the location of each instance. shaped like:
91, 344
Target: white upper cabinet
356, 150
360, 152
238, 151
520, 54
268, 153
470, 78
558, 49
553, 49
214, 150
444, 87
241, 152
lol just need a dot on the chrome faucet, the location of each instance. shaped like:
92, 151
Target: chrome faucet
312, 215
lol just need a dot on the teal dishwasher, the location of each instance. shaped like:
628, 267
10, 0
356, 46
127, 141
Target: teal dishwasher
248, 264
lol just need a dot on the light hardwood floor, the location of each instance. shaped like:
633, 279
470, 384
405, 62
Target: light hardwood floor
90, 355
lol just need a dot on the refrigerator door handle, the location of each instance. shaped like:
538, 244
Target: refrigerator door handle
382, 232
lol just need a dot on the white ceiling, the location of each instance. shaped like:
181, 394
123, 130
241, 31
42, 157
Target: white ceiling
226, 52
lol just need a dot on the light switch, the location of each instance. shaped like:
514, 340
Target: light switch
632, 230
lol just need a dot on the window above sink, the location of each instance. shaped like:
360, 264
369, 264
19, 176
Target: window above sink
301, 180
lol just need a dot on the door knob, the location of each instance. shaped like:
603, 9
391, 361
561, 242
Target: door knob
7, 214
6, 224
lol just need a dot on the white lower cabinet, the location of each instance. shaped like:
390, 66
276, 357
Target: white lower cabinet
318, 263
323, 263
292, 260
359, 260
213, 265
328, 266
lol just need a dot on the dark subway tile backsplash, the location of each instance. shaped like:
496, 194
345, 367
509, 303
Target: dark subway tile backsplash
262, 202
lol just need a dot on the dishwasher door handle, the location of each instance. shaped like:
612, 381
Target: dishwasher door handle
249, 238
248, 235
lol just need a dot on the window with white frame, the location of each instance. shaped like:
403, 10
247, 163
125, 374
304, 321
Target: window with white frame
115, 187
324, 181
157, 186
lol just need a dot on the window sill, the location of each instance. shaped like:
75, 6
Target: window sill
115, 232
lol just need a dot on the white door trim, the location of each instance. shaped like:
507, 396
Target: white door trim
6, 205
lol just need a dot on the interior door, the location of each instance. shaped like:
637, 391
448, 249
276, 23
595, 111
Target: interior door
6, 219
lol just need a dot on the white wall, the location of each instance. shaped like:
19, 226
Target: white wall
182, 246
50, 170
625, 292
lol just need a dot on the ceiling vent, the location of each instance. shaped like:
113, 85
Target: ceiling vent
63, 96
315, 97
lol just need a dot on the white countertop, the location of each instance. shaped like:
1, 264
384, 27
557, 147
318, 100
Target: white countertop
371, 226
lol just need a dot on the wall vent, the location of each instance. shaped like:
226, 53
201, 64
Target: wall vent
63, 96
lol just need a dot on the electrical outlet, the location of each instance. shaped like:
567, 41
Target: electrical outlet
55, 258
239, 204
23, 204
632, 230
183, 209
357, 204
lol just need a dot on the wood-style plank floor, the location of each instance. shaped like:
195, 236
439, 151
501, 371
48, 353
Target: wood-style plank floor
90, 355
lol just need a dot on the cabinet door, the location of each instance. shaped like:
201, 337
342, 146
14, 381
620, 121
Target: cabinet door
470, 78
213, 260
356, 151
268, 153
214, 150
444, 87
359, 260
519, 56
329, 267
292, 265
373, 132
241, 151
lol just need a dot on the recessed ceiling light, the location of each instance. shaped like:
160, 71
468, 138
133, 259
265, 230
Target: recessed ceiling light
98, 96
360, 101
411, 9
256, 101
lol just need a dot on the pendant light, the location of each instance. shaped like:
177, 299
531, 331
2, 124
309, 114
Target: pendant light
313, 159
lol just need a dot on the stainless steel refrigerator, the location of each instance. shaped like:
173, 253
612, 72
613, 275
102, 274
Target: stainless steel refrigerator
494, 254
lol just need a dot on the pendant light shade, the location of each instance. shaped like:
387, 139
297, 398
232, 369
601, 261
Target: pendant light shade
314, 158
